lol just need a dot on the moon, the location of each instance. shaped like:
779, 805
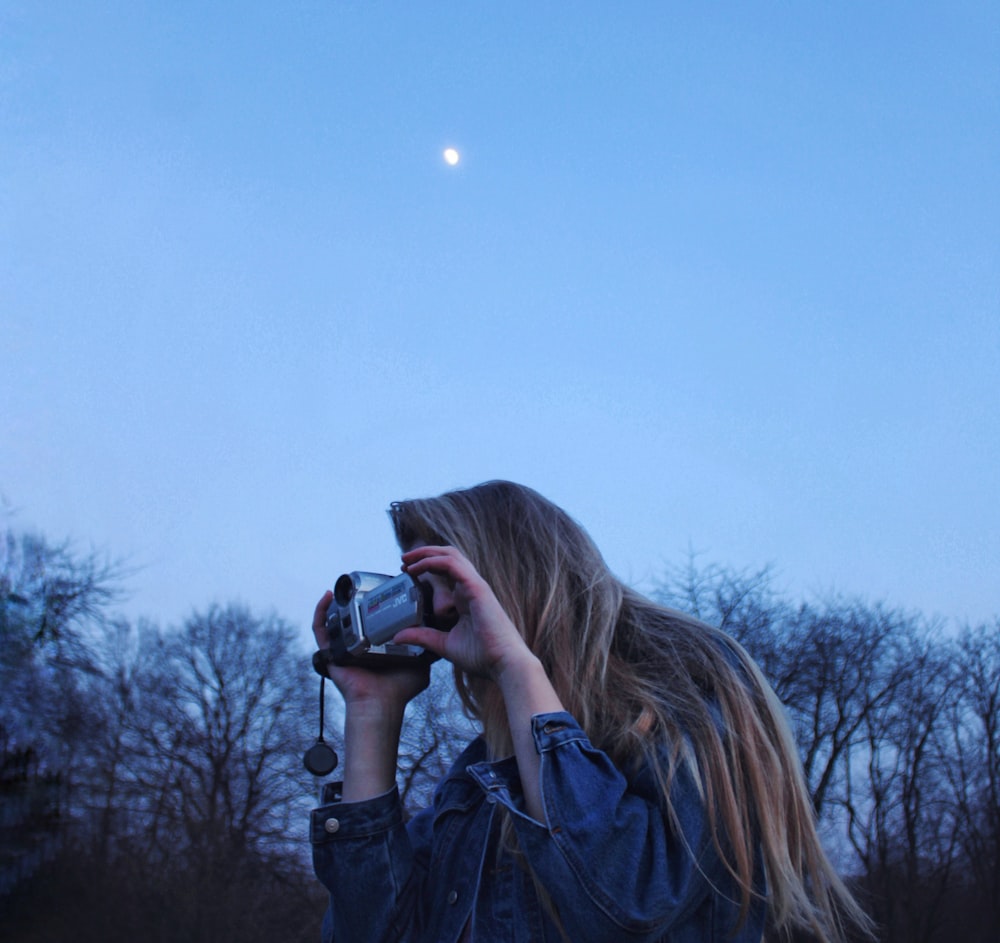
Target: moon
451, 156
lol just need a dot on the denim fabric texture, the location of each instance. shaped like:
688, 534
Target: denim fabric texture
613, 866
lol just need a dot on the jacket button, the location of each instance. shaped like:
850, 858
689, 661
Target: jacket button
331, 825
452, 897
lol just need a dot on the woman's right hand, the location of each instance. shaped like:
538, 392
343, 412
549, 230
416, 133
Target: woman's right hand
373, 717
392, 688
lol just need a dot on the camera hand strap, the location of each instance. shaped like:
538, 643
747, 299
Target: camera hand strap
321, 759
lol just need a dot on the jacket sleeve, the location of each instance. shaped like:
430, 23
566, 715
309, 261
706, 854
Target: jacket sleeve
608, 855
370, 863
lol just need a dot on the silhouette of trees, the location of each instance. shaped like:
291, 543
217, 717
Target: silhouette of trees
975, 771
900, 821
49, 599
160, 773
152, 783
435, 731
898, 724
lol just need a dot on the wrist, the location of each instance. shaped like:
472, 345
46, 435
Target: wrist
371, 744
374, 712
526, 686
515, 666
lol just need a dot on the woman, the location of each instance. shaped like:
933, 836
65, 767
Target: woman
635, 779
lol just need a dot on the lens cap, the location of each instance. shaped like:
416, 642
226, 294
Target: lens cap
321, 759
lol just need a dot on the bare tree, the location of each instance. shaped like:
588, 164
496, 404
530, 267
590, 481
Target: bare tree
901, 814
197, 788
872, 695
50, 597
47, 591
841, 664
830, 664
435, 731
231, 704
152, 782
976, 771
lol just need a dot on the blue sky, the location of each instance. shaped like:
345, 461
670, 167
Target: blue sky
722, 277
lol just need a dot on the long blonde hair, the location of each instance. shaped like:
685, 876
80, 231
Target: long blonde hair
647, 684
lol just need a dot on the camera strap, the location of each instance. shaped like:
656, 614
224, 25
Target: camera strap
321, 759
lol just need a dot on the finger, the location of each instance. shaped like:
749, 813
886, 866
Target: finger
431, 639
441, 562
319, 619
418, 553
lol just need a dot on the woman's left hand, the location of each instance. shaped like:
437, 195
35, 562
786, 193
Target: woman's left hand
483, 641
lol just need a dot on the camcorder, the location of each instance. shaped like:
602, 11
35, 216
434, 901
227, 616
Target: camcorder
368, 609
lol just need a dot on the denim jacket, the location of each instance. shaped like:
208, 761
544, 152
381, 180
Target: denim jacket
613, 867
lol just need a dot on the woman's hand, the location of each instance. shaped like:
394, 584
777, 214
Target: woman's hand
374, 704
483, 640
393, 688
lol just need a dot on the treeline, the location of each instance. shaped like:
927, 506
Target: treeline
152, 781
898, 724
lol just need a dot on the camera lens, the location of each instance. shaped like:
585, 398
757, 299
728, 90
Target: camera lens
343, 589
